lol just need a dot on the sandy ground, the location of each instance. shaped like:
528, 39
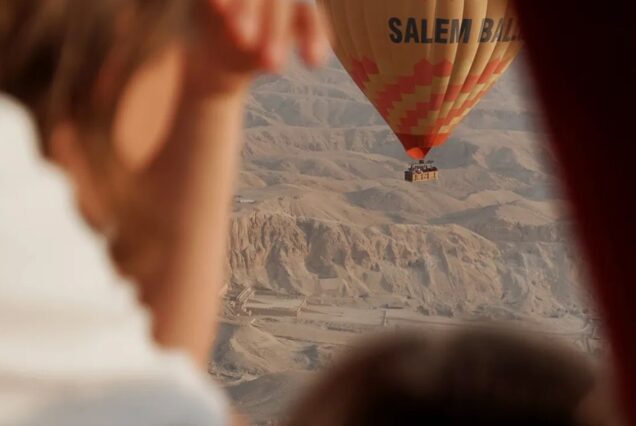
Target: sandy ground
329, 243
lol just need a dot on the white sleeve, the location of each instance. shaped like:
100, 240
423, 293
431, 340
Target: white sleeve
75, 346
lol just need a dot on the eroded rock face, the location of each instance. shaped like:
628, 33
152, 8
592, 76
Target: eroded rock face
325, 173
330, 217
448, 264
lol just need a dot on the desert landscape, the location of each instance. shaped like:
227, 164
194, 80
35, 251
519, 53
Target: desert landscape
330, 243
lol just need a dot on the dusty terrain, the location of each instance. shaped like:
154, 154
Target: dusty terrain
328, 242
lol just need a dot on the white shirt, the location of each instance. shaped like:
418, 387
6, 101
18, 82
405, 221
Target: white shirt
75, 346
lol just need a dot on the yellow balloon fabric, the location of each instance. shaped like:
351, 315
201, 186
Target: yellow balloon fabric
424, 64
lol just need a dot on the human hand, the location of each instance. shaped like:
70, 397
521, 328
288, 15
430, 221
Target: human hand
231, 42
238, 38
180, 135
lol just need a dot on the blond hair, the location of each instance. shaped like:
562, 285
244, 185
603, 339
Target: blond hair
53, 53
70, 60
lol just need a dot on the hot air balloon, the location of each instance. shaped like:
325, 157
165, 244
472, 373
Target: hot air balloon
424, 64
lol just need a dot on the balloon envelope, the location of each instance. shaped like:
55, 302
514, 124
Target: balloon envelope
424, 64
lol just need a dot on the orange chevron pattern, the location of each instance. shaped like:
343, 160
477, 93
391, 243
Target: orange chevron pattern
424, 63
423, 75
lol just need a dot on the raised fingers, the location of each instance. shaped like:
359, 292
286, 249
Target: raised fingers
260, 32
243, 20
276, 33
312, 33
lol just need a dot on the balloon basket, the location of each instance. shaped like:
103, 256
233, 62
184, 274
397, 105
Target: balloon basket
421, 172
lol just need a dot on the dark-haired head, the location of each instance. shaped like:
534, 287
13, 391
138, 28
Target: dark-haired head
471, 377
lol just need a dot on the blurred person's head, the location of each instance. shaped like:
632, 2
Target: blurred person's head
466, 378
101, 79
